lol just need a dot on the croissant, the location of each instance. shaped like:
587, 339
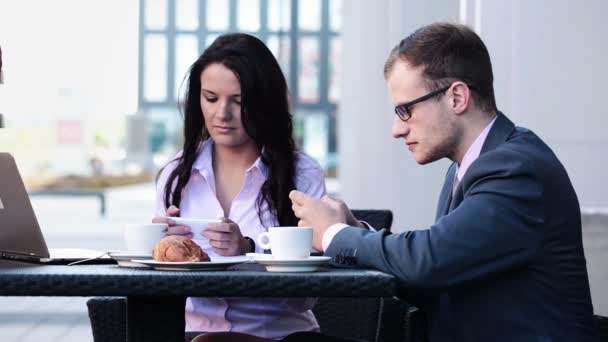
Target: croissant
178, 248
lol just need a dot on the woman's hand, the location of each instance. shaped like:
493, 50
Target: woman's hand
226, 238
173, 229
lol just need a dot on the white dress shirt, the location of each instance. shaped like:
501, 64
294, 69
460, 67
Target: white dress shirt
265, 317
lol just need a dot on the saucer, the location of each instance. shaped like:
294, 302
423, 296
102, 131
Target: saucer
123, 258
310, 264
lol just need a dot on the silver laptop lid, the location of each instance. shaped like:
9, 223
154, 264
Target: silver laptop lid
20, 234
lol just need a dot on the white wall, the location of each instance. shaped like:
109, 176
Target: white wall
550, 66
377, 171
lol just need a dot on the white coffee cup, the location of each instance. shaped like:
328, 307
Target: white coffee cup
287, 242
142, 237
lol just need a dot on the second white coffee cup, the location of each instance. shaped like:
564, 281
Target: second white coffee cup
142, 237
287, 242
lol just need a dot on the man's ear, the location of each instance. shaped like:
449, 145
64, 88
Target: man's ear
460, 97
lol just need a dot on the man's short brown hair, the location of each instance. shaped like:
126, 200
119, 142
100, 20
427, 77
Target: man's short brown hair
449, 52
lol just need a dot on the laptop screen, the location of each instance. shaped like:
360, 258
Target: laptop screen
20, 233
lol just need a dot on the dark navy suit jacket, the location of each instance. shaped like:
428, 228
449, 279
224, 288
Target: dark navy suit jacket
504, 260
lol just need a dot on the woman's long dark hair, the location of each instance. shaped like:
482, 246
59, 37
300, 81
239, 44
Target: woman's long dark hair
265, 116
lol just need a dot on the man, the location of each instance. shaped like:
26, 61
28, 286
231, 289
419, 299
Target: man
504, 260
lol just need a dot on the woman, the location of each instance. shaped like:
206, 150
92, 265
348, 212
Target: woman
238, 162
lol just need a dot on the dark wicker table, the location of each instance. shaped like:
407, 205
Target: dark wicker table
156, 299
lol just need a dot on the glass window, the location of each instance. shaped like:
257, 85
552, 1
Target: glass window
186, 52
302, 61
155, 67
186, 14
314, 129
308, 70
335, 68
279, 45
335, 15
309, 15
217, 15
156, 14
164, 128
210, 39
248, 15
279, 15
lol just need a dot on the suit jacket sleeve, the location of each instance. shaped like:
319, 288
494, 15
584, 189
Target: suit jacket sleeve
497, 227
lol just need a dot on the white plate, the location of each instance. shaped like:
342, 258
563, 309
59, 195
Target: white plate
124, 258
310, 264
216, 263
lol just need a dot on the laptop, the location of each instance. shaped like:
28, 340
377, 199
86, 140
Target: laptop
20, 235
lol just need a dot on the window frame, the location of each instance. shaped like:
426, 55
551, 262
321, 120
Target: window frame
300, 109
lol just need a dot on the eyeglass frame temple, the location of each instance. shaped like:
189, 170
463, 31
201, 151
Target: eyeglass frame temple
418, 100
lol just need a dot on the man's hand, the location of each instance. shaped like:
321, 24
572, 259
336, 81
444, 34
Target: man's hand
320, 214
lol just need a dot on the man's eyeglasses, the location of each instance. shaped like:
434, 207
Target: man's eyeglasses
403, 110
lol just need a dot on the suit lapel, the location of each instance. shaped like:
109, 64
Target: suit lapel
446, 193
456, 197
500, 131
